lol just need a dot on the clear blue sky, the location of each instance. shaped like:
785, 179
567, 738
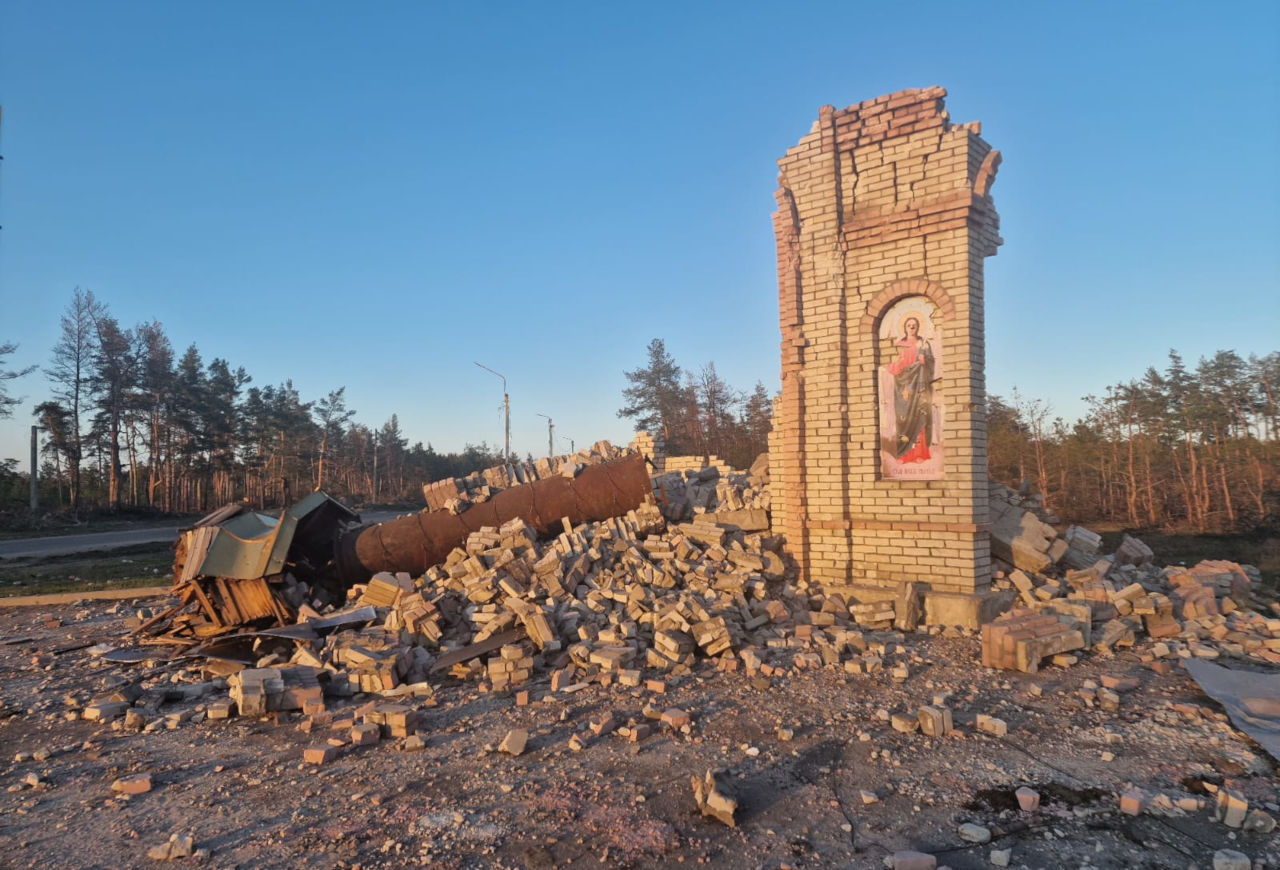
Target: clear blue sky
377, 195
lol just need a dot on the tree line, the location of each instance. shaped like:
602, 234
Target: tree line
129, 423
1195, 450
696, 413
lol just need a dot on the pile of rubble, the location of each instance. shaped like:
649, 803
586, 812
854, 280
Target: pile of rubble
634, 600
456, 494
740, 498
1072, 598
642, 596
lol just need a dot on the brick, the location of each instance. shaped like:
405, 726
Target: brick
319, 754
675, 718
1132, 802
992, 725
139, 783
934, 721
365, 734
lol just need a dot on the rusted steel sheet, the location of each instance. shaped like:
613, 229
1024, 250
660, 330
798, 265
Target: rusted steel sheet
416, 542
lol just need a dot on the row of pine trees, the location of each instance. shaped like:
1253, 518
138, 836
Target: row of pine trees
130, 423
1182, 449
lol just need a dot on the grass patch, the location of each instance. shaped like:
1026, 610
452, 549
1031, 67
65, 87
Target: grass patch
121, 568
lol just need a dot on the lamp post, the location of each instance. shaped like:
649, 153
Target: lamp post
35, 487
551, 437
572, 449
506, 412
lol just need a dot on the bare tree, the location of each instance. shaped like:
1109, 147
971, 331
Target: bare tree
68, 372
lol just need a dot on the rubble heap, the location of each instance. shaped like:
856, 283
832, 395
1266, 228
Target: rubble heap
456, 494
740, 498
237, 568
632, 600
1072, 598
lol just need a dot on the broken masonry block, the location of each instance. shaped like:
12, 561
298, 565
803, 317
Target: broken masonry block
714, 799
935, 721
515, 741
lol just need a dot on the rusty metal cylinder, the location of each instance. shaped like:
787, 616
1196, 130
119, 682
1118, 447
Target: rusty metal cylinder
415, 542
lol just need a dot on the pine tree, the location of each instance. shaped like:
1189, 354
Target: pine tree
6, 401
655, 396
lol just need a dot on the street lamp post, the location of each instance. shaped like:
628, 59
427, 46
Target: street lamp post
35, 487
506, 411
551, 437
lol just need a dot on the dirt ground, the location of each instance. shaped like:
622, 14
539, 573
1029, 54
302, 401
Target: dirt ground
240, 787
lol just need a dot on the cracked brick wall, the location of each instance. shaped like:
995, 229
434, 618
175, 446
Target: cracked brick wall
884, 211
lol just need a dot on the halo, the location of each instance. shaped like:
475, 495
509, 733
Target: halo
922, 317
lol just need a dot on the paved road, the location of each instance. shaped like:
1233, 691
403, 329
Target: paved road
61, 545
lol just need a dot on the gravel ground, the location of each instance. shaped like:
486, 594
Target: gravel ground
821, 778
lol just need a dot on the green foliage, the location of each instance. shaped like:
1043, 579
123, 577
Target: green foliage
696, 414
7, 402
128, 425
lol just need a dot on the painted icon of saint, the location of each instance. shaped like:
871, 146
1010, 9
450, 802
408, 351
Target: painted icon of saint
913, 379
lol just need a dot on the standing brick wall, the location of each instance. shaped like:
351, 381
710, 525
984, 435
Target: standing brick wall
883, 206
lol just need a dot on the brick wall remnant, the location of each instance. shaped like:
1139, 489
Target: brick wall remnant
884, 216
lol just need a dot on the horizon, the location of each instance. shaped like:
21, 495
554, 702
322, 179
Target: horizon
378, 200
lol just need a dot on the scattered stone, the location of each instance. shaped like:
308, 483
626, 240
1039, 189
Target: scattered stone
972, 833
179, 846
1028, 799
365, 734
137, 784
1258, 822
904, 722
1232, 808
515, 741
911, 860
714, 800
992, 725
1131, 802
412, 743
934, 721
1229, 859
319, 754
675, 718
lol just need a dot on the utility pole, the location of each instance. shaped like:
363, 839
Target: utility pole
375, 467
506, 411
551, 437
35, 487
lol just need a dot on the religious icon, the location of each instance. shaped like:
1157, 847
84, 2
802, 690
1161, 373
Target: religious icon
910, 408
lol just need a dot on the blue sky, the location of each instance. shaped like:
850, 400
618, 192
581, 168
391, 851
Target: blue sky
376, 195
